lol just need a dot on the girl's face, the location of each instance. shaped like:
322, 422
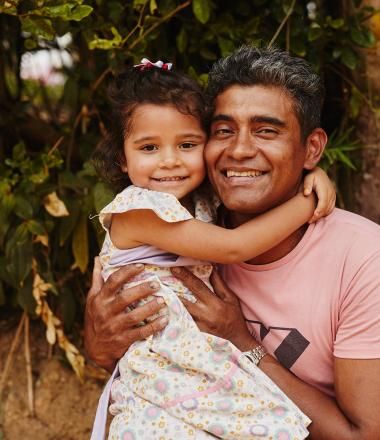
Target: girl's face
164, 150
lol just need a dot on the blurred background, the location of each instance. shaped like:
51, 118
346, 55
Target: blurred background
56, 58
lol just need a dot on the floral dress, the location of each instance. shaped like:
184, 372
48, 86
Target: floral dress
182, 383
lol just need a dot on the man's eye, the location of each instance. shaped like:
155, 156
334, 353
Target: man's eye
149, 148
266, 131
222, 131
187, 145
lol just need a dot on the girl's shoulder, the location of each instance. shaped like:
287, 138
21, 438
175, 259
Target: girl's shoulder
165, 205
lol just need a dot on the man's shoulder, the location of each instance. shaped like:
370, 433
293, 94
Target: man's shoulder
350, 221
352, 231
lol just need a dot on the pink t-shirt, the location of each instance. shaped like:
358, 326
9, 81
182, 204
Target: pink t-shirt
319, 301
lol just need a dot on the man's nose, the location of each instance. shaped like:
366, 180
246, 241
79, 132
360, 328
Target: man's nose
243, 146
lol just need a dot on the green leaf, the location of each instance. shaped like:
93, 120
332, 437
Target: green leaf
355, 102
102, 43
226, 46
19, 261
69, 307
38, 26
153, 6
80, 244
138, 3
25, 296
202, 10
4, 275
7, 204
362, 37
315, 32
207, 54
80, 12
62, 11
349, 58
103, 195
23, 208
336, 23
68, 223
19, 151
35, 227
66, 11
182, 40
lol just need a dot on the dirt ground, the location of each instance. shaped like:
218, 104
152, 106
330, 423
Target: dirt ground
64, 408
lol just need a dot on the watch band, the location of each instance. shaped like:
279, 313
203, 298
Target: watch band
256, 354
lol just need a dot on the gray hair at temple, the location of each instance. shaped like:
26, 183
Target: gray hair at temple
249, 66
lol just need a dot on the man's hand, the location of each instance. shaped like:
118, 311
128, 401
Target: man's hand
109, 330
217, 313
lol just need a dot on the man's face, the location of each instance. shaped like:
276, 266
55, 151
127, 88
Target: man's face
255, 155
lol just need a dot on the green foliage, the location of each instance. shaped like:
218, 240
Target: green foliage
49, 131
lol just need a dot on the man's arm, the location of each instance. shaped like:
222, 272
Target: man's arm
354, 415
108, 329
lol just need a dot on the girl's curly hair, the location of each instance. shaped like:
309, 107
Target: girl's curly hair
130, 89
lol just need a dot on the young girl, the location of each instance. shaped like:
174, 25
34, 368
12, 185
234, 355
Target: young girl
182, 383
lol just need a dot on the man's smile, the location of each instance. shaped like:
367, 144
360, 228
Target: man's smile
243, 173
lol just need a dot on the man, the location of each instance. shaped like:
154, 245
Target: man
312, 302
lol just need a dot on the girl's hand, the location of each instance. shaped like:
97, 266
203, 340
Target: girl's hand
318, 181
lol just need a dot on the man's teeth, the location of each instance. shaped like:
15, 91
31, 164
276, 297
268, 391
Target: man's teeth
170, 179
252, 173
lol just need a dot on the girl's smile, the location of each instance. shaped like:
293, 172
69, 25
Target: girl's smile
164, 150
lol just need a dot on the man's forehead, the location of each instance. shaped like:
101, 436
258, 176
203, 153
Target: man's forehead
254, 102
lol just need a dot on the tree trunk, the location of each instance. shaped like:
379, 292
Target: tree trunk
367, 195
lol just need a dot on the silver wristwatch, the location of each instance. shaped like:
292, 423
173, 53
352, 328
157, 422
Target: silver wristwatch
256, 354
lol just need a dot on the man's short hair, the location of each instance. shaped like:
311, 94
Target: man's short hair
249, 66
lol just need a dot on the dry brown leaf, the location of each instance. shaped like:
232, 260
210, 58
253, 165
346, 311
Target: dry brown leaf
44, 239
54, 330
54, 205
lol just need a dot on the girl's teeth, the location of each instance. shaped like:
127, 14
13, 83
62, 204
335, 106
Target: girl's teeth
165, 179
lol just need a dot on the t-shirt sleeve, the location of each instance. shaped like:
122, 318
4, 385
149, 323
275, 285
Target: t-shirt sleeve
358, 332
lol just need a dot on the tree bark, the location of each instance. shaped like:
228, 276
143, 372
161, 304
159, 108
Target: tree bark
367, 195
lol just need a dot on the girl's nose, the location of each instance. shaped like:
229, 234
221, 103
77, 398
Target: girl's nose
170, 160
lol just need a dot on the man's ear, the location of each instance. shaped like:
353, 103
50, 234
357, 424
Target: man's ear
315, 145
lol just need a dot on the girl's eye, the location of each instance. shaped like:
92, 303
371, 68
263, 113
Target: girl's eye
187, 145
149, 148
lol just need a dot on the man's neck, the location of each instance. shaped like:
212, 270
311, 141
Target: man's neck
276, 253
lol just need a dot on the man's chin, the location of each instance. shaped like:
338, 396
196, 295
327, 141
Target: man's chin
246, 207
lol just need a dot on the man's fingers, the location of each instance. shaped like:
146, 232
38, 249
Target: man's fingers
97, 279
194, 284
192, 308
140, 313
220, 287
132, 294
151, 328
116, 280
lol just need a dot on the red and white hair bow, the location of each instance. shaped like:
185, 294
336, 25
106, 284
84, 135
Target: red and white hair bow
146, 64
